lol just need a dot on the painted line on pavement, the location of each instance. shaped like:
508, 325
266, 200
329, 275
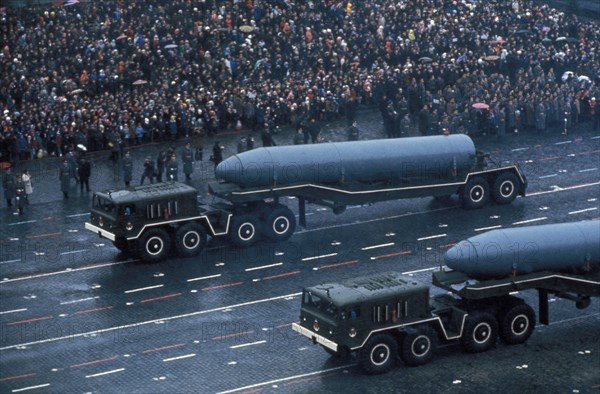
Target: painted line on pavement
10, 261
78, 214
13, 311
378, 246
154, 321
319, 257
563, 189
24, 222
31, 388
105, 373
248, 344
80, 300
432, 237
547, 176
142, 289
487, 228
179, 357
204, 277
263, 267
589, 169
530, 221
583, 210
74, 251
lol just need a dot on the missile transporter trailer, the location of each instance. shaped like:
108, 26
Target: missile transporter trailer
382, 316
148, 220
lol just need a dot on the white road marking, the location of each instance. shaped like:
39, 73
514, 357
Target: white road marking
548, 176
556, 189
518, 149
78, 214
248, 344
286, 297
105, 373
487, 228
286, 379
563, 142
24, 222
319, 257
143, 288
73, 251
13, 311
583, 210
10, 261
530, 220
263, 267
80, 300
203, 278
67, 270
31, 388
589, 169
431, 237
180, 357
378, 246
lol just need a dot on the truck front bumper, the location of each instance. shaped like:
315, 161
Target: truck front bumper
100, 231
316, 338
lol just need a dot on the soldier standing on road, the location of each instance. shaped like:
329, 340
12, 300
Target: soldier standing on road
64, 175
299, 137
241, 145
148, 171
73, 165
172, 169
26, 177
217, 153
187, 157
161, 161
20, 195
353, 132
84, 171
405, 126
249, 142
127, 168
9, 183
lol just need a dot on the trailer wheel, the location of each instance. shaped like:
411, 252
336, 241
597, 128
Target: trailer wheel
190, 239
418, 347
517, 324
154, 245
379, 354
476, 193
505, 188
245, 230
480, 332
280, 224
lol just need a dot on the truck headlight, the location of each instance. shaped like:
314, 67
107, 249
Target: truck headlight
129, 226
316, 326
101, 221
352, 333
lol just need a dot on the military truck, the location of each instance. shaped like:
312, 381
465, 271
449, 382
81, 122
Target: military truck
147, 220
385, 315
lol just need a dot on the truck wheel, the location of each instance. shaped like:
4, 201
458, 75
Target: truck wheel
154, 245
190, 239
418, 347
280, 224
505, 188
476, 193
480, 332
517, 324
245, 230
379, 354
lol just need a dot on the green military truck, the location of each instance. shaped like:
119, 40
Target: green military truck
388, 315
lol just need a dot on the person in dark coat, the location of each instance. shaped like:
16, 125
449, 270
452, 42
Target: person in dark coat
148, 171
267, 137
217, 153
161, 161
249, 142
9, 184
187, 157
73, 165
64, 175
424, 120
127, 168
84, 171
20, 199
172, 169
353, 132
314, 130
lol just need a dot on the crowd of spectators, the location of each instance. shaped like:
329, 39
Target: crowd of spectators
118, 73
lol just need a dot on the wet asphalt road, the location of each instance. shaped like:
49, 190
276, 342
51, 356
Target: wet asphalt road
76, 316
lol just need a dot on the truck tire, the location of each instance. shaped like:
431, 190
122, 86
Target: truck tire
279, 224
379, 354
517, 324
418, 346
505, 188
245, 230
475, 193
480, 332
190, 239
154, 245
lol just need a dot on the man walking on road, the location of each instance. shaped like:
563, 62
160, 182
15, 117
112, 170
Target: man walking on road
84, 171
64, 175
187, 156
127, 168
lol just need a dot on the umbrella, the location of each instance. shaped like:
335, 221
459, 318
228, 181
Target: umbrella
522, 31
140, 82
170, 46
480, 106
246, 28
547, 40
561, 38
499, 41
572, 39
4, 165
492, 57
122, 36
425, 59
567, 75
76, 91
583, 78
71, 2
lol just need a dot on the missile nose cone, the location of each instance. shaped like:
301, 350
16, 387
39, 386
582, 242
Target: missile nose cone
462, 257
229, 170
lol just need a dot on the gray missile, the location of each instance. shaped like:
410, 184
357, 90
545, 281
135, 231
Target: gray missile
563, 247
417, 159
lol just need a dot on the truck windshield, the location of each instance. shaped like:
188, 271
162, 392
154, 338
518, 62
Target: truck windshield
314, 301
104, 205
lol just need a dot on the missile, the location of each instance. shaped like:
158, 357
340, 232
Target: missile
564, 247
416, 159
